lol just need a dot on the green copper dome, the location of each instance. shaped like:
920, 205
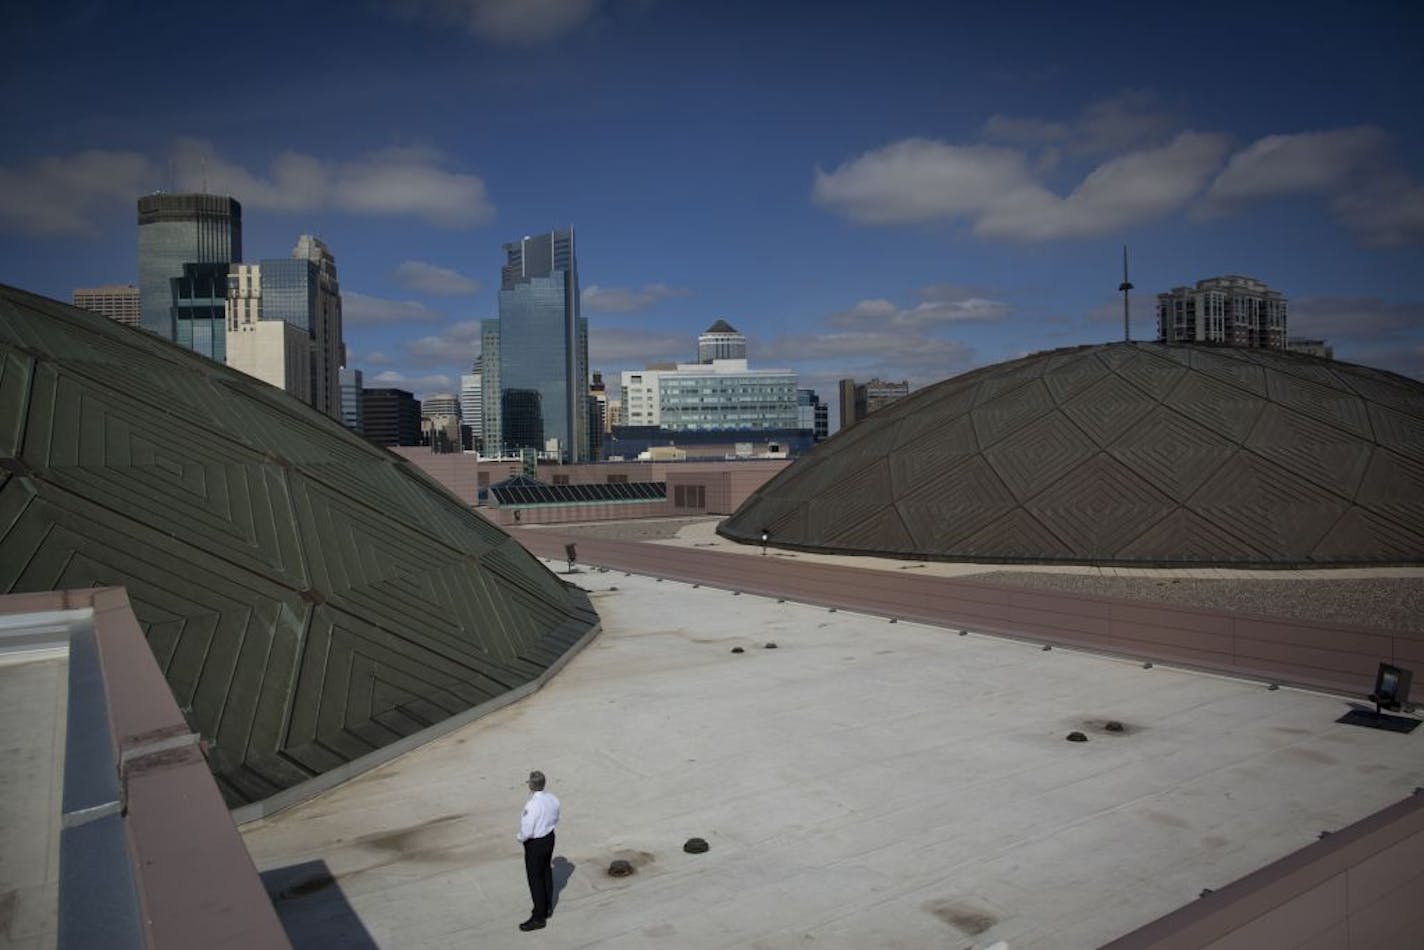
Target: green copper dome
311, 597
1123, 453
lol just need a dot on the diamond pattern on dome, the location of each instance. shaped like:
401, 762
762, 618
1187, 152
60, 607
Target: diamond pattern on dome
1184, 537
1325, 455
932, 413
845, 504
1229, 411
884, 528
1393, 486
1165, 454
1099, 507
956, 503
1017, 536
309, 596
1225, 364
1068, 375
1037, 456
998, 418
1360, 531
1332, 405
942, 449
1401, 432
1268, 507
1108, 409
1377, 386
1171, 451
1151, 374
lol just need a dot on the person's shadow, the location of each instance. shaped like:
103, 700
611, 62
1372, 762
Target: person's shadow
563, 870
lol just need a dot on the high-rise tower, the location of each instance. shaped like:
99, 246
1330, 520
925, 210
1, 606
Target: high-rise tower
174, 230
541, 386
721, 341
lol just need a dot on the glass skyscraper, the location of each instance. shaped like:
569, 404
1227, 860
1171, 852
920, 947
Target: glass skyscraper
174, 230
198, 302
542, 350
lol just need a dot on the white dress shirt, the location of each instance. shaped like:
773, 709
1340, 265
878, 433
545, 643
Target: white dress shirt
541, 815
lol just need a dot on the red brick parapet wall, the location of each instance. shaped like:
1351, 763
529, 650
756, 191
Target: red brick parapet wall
192, 878
1362, 887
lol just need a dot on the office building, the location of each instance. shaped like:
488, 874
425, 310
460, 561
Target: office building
472, 407
198, 309
536, 367
1231, 310
490, 402
721, 395
351, 414
284, 324
812, 414
274, 350
721, 341
174, 230
324, 323
390, 416
118, 302
859, 400
597, 416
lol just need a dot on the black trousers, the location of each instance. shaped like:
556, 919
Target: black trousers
539, 867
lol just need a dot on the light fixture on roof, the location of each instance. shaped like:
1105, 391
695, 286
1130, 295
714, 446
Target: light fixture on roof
1391, 692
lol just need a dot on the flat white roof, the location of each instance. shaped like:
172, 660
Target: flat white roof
865, 784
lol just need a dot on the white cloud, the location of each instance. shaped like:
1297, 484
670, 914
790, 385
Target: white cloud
864, 354
505, 22
1129, 120
418, 385
939, 305
389, 182
62, 195
631, 348
1356, 319
1295, 164
919, 180
1118, 194
438, 281
623, 300
377, 358
1353, 167
456, 343
1386, 210
364, 309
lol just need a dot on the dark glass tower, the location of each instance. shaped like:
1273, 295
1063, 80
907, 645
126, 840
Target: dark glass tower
543, 345
174, 230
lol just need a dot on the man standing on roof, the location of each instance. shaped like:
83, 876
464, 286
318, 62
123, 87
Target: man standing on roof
536, 830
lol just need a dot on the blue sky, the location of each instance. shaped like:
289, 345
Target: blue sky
897, 189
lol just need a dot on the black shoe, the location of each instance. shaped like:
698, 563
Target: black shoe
533, 923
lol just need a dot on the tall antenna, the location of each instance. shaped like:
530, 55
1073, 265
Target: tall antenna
1125, 286
205, 191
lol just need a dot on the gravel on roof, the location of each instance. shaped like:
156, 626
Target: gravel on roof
1391, 603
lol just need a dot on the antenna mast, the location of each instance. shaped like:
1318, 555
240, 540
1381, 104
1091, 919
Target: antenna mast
1125, 286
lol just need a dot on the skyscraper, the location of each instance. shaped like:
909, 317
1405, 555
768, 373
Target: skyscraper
542, 347
327, 333
284, 321
174, 230
118, 302
721, 341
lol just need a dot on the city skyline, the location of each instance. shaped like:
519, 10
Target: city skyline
890, 193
